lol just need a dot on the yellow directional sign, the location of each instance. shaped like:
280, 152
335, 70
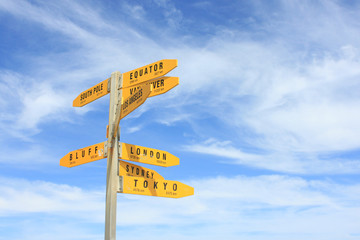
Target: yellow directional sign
84, 155
159, 86
155, 187
148, 72
147, 155
132, 170
134, 101
93, 93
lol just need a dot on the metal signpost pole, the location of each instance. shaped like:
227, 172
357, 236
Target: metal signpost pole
112, 178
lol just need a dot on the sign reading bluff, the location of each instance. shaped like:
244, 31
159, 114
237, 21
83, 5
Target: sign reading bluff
147, 155
155, 187
148, 72
84, 155
91, 94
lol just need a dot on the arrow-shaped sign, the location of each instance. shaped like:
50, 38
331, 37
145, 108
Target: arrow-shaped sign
133, 101
84, 155
130, 104
148, 72
147, 155
91, 94
159, 86
132, 170
154, 187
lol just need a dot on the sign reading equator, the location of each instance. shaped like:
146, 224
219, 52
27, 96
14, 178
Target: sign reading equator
147, 155
84, 155
155, 187
148, 72
91, 94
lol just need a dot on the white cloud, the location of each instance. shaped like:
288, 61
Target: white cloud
134, 129
289, 97
294, 91
47, 94
41, 102
26, 104
318, 107
136, 11
270, 205
67, 17
30, 155
19, 196
280, 161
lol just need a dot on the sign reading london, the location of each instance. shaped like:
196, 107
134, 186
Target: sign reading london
84, 155
147, 155
148, 72
93, 93
155, 187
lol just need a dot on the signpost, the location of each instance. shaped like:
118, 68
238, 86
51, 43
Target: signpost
147, 155
127, 92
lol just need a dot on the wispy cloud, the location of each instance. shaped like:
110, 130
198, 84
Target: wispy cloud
286, 83
290, 97
278, 161
223, 202
21, 196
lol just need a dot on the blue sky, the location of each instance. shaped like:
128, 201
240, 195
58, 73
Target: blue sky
265, 120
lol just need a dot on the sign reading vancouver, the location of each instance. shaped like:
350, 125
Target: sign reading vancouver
159, 86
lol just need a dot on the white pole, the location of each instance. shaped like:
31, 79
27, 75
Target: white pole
112, 177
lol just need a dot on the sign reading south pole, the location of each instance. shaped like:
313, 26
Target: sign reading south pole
84, 155
147, 155
91, 94
155, 187
148, 72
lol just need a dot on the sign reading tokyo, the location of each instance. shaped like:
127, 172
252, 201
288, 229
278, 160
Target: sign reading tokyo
134, 101
132, 170
147, 155
148, 72
84, 155
159, 86
155, 187
93, 93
